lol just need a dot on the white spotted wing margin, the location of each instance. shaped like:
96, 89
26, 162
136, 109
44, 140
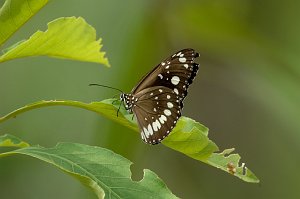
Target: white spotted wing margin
157, 110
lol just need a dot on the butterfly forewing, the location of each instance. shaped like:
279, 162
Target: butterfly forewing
176, 72
157, 110
158, 98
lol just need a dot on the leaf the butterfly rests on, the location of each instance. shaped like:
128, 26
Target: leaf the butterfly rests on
157, 100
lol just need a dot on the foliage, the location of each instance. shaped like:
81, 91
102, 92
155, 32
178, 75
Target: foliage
188, 137
77, 42
105, 172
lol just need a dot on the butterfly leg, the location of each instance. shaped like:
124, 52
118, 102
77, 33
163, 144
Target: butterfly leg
116, 99
113, 102
119, 108
132, 116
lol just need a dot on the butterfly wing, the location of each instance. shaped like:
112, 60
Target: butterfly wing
157, 110
176, 72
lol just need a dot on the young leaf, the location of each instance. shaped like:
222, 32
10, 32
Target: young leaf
14, 14
188, 137
105, 172
67, 37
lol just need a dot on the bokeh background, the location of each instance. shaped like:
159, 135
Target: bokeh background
246, 92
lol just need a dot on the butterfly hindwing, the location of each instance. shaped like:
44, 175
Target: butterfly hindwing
157, 110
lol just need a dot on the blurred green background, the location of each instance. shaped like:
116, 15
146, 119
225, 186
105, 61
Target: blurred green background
246, 92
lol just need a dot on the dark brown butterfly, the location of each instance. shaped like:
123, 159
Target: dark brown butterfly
157, 100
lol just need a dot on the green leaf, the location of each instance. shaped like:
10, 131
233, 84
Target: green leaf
12, 141
188, 137
68, 38
105, 172
104, 108
13, 46
231, 163
14, 14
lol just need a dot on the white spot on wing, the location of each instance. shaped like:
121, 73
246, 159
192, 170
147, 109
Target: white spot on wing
167, 66
146, 132
175, 80
156, 125
143, 136
170, 105
176, 91
167, 112
182, 59
150, 129
160, 76
160, 90
162, 119
186, 66
168, 96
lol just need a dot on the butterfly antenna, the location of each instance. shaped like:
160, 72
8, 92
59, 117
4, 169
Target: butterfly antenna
110, 88
106, 87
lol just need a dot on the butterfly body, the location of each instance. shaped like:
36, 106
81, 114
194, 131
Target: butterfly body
157, 100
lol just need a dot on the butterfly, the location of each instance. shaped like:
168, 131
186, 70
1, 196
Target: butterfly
157, 100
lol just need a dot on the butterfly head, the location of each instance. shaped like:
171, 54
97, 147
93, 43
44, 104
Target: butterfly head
128, 101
